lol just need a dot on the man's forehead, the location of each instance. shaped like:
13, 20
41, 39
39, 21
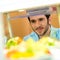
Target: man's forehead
39, 11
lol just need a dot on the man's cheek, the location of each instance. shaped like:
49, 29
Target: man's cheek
34, 27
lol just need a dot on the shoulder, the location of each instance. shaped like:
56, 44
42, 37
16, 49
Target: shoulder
55, 32
33, 35
58, 34
54, 29
29, 36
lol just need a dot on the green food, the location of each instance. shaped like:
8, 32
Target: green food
11, 42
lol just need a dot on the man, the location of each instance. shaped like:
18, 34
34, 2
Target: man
41, 24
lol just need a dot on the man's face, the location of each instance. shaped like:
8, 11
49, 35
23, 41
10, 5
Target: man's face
39, 24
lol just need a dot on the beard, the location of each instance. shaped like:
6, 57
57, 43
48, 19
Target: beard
43, 30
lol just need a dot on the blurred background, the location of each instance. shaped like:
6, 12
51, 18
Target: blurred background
21, 26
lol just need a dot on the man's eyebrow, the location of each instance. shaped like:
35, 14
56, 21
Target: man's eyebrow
40, 18
32, 20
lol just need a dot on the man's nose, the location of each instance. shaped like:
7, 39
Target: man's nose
38, 23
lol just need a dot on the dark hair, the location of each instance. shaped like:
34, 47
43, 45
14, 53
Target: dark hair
47, 16
28, 18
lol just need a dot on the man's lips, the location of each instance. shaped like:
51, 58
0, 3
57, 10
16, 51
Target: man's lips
40, 28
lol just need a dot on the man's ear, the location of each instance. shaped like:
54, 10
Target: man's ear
49, 20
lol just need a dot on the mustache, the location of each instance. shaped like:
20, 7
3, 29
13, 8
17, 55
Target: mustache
39, 27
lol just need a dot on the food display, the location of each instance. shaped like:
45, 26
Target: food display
17, 48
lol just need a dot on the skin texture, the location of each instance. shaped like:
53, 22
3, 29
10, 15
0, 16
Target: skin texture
40, 24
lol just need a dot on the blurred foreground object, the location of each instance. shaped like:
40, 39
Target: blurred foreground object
30, 49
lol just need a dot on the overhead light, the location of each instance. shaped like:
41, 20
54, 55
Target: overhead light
21, 10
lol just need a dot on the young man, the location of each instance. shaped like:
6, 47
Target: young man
41, 24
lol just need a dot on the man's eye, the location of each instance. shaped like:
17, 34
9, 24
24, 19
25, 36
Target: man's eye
32, 21
40, 19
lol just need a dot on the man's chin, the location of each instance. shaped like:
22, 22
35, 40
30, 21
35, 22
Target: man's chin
41, 34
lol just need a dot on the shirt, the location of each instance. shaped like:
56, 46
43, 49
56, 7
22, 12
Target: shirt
55, 33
